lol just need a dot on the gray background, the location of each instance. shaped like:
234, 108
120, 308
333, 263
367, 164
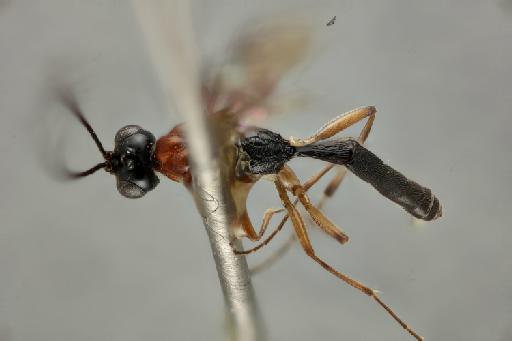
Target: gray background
79, 262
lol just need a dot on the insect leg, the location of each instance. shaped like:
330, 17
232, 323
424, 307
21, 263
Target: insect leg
266, 241
307, 185
300, 230
281, 251
288, 178
338, 124
249, 229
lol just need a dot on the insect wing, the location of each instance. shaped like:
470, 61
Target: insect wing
258, 60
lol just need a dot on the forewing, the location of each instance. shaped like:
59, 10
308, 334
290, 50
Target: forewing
259, 58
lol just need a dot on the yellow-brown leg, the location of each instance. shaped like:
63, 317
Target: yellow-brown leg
288, 178
300, 231
336, 125
307, 185
248, 228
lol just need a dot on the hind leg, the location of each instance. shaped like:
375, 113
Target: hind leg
290, 181
302, 236
338, 124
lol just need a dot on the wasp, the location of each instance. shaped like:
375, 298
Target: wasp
255, 153
259, 153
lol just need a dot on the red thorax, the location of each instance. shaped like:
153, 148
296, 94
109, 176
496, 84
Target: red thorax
172, 156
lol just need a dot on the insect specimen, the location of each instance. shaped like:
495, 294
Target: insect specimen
331, 22
255, 153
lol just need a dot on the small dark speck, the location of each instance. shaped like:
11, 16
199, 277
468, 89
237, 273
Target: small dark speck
331, 22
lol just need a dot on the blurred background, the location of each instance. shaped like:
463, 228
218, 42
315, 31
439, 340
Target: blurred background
80, 262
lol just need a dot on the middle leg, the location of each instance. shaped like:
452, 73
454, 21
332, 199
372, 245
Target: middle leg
307, 185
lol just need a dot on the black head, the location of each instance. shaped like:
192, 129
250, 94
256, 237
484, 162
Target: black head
132, 160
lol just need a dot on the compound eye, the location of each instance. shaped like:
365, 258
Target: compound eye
125, 132
130, 190
135, 183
